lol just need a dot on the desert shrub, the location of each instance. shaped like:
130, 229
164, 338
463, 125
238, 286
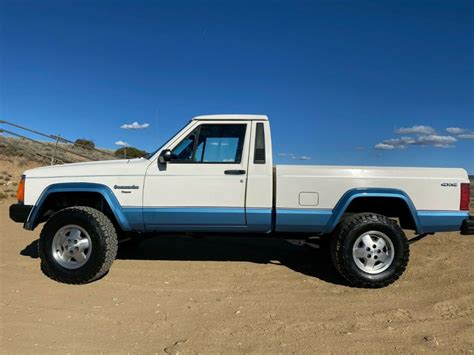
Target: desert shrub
22, 161
129, 152
84, 143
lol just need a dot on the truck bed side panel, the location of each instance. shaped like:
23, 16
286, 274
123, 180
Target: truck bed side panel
307, 197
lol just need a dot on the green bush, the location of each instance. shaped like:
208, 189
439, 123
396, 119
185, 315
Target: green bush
129, 152
84, 143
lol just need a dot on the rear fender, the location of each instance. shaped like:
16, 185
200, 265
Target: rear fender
351, 195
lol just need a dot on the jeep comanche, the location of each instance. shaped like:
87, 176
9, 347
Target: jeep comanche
216, 175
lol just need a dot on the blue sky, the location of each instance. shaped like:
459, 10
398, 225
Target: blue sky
338, 79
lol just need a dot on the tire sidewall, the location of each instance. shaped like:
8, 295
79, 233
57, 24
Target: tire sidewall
393, 232
89, 224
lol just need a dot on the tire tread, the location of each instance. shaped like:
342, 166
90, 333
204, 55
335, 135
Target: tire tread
338, 256
110, 240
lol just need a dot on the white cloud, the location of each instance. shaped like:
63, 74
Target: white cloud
393, 142
400, 142
294, 156
425, 136
135, 125
466, 136
436, 140
455, 130
287, 155
416, 130
121, 143
383, 146
444, 145
423, 140
407, 140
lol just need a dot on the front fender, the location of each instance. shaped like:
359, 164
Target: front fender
34, 217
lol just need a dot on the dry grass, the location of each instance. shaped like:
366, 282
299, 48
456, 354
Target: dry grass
11, 169
42, 152
18, 155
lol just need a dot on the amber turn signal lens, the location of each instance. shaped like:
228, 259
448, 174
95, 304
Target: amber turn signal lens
20, 195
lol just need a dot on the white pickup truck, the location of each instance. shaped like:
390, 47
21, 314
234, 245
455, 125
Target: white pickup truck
216, 176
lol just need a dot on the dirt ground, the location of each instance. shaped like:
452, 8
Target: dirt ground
233, 295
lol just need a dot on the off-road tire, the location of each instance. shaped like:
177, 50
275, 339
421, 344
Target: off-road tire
104, 245
346, 235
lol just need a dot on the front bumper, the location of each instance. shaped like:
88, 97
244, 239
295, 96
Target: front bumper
19, 212
467, 227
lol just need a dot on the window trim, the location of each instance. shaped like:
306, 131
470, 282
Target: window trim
198, 128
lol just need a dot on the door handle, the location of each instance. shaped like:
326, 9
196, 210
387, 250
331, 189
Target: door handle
234, 172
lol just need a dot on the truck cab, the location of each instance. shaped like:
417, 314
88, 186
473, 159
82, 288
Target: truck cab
214, 175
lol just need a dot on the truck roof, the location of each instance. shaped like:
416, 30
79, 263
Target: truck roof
231, 117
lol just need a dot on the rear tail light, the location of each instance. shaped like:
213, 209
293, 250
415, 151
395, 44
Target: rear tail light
465, 196
20, 195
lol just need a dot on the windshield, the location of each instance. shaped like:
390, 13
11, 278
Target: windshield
149, 155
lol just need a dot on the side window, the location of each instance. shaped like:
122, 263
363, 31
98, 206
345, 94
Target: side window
183, 152
211, 143
259, 154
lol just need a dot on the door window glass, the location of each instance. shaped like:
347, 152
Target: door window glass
212, 143
184, 150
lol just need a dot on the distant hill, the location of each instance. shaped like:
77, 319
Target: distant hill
42, 152
19, 154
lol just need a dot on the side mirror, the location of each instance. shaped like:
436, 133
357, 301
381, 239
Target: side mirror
165, 156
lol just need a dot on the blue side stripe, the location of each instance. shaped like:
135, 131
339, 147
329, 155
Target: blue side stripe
326, 220
302, 220
207, 219
441, 221
212, 216
259, 219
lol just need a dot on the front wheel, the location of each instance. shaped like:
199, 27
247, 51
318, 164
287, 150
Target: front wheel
77, 245
369, 250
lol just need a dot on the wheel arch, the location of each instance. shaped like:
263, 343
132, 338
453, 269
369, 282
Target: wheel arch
61, 190
373, 200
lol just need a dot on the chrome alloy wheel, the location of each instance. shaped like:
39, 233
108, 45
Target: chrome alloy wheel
71, 246
373, 252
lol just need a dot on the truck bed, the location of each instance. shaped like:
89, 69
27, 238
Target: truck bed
308, 197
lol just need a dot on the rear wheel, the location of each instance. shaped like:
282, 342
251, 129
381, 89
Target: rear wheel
369, 250
77, 245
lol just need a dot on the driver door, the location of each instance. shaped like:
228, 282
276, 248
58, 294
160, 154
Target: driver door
203, 187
